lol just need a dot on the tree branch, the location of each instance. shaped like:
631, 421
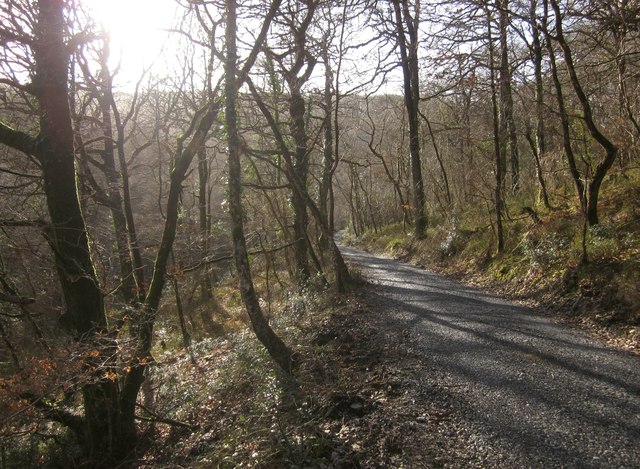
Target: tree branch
259, 43
19, 223
28, 88
215, 260
16, 300
156, 418
18, 140
66, 418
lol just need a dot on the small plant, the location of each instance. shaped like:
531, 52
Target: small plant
543, 248
453, 243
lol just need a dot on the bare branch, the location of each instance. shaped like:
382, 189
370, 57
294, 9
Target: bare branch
18, 140
16, 300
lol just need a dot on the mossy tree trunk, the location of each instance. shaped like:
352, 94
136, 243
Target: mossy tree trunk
144, 320
98, 430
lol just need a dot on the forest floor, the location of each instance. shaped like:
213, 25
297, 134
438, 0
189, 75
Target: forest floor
360, 400
412, 370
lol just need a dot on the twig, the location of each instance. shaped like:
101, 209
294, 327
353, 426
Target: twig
156, 418
204, 262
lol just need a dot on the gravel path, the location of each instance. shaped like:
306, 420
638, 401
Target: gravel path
522, 390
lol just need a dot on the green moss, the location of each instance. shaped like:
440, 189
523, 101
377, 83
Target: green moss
390, 239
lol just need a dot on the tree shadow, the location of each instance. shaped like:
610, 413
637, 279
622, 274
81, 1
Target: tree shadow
515, 376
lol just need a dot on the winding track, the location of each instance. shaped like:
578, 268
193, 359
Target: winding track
528, 392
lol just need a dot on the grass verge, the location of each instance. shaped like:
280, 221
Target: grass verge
542, 262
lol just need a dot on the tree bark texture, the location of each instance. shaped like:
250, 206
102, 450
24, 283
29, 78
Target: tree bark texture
409, 62
67, 236
539, 147
610, 149
498, 141
275, 346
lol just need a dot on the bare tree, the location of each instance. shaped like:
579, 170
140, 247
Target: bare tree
610, 149
276, 347
406, 24
99, 429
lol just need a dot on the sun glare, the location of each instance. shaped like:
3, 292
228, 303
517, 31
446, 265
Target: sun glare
138, 32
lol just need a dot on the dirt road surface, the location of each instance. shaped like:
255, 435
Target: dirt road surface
513, 387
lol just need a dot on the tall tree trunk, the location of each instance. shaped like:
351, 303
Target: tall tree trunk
112, 175
295, 78
409, 56
443, 170
564, 116
186, 336
68, 237
136, 256
507, 122
301, 166
274, 345
466, 147
610, 149
498, 140
204, 221
332, 125
328, 159
336, 118
539, 147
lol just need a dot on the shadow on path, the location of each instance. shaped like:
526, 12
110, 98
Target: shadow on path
545, 394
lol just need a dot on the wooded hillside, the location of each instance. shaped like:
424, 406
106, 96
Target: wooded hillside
139, 219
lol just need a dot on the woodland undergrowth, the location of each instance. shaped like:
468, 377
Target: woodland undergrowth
222, 402
543, 263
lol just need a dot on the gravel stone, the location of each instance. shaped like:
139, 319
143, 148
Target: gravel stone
519, 389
